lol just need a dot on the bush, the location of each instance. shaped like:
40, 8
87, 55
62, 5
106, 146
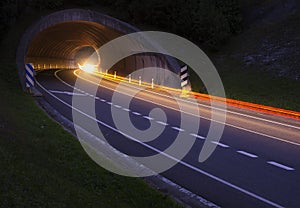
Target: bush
46, 4
8, 14
202, 21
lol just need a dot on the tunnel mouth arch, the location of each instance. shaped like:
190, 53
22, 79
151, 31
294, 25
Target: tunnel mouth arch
54, 40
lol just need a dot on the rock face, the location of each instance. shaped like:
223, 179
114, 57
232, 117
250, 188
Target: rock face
54, 41
277, 57
271, 39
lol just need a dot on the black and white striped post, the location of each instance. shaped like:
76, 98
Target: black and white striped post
29, 76
185, 83
184, 75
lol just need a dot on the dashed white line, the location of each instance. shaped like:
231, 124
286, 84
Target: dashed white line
177, 129
197, 136
162, 123
247, 154
280, 165
136, 113
149, 118
241, 128
126, 109
179, 161
117, 106
220, 144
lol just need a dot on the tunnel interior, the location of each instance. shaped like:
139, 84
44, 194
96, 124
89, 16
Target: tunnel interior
68, 43
63, 39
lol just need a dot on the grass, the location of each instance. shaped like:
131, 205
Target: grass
257, 87
262, 88
42, 165
261, 82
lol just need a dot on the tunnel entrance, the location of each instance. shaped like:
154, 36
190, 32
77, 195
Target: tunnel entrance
66, 44
65, 38
87, 53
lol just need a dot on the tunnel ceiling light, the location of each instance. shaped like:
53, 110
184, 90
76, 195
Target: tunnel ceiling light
90, 68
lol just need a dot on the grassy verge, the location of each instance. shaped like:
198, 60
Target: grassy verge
257, 87
44, 166
262, 88
268, 77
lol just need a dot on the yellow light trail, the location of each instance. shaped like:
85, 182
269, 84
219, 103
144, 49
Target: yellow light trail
210, 98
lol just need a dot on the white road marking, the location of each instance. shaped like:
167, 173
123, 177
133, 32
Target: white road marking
247, 154
208, 106
162, 123
177, 129
102, 100
66, 92
109, 103
117, 106
208, 119
126, 109
197, 136
169, 156
77, 89
220, 144
136, 113
149, 118
280, 165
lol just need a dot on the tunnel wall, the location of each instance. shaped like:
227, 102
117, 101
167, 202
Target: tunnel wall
78, 15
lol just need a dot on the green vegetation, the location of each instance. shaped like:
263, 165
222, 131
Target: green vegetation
253, 85
42, 165
261, 88
208, 22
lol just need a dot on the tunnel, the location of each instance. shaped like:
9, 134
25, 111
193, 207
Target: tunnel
65, 38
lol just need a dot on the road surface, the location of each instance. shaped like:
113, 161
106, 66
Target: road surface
255, 164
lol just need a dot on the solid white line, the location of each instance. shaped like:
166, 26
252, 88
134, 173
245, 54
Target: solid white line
280, 165
177, 129
210, 107
109, 103
220, 144
149, 118
169, 156
197, 136
66, 92
117, 106
208, 119
247, 154
162, 123
136, 113
126, 109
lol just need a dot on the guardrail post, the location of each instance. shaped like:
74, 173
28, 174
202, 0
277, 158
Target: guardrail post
115, 75
152, 83
140, 80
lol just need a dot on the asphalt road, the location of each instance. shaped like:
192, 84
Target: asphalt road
255, 164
